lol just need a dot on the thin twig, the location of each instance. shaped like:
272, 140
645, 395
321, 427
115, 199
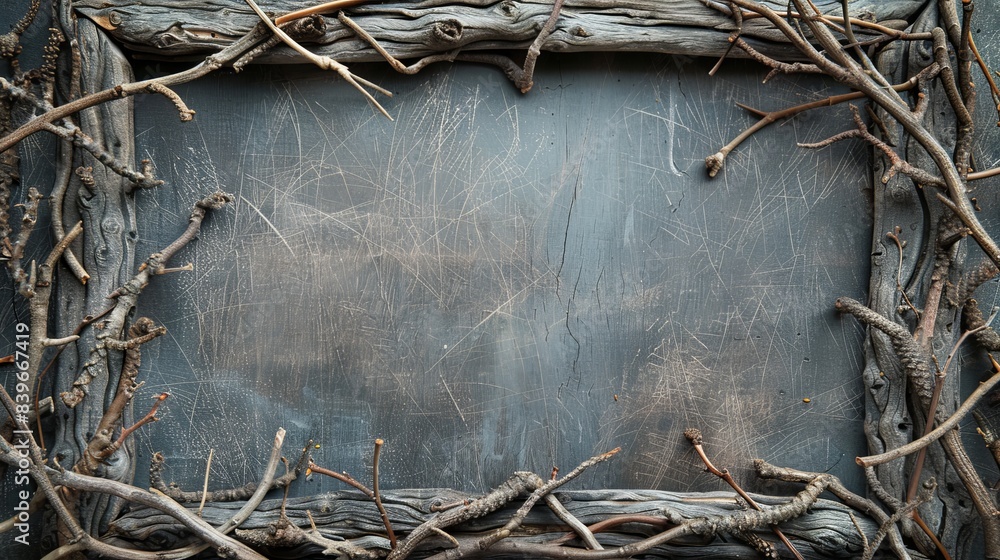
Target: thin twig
326, 8
694, 436
568, 518
343, 477
210, 64
715, 162
204, 486
324, 62
932, 436
378, 497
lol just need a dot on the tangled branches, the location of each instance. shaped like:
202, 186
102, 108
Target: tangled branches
942, 166
92, 460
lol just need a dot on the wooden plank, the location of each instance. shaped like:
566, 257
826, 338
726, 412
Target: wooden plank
171, 28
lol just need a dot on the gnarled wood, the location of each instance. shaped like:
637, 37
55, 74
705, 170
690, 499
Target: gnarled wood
827, 531
407, 30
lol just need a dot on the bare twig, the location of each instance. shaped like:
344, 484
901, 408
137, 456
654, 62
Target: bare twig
949, 424
519, 482
694, 436
715, 162
568, 518
324, 62
204, 486
120, 91
326, 8
377, 496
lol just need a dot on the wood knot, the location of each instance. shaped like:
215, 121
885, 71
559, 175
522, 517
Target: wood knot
446, 33
308, 28
509, 9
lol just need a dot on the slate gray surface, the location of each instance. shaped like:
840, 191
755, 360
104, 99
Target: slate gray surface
495, 282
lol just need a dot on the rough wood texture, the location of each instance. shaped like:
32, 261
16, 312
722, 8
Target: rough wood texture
107, 250
407, 30
892, 418
827, 531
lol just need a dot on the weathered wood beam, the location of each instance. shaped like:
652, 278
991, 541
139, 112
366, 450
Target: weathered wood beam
827, 530
178, 28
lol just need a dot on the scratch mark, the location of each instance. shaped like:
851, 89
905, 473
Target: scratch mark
454, 401
268, 222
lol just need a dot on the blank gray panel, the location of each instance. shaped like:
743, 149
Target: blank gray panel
494, 281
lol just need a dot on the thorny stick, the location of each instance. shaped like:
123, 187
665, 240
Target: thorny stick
378, 497
694, 436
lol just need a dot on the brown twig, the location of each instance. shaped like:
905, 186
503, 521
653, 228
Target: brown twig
703, 526
148, 418
835, 487
204, 486
393, 61
325, 8
568, 518
935, 434
894, 235
537, 494
343, 477
377, 496
615, 521
510, 489
157, 464
897, 164
715, 162
694, 436
527, 75
120, 91
324, 62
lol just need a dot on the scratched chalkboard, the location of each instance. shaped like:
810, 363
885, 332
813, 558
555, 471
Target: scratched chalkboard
494, 281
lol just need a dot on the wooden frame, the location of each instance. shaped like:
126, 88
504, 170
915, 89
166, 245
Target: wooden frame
436, 31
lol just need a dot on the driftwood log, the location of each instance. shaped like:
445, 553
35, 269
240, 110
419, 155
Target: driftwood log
827, 531
418, 29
